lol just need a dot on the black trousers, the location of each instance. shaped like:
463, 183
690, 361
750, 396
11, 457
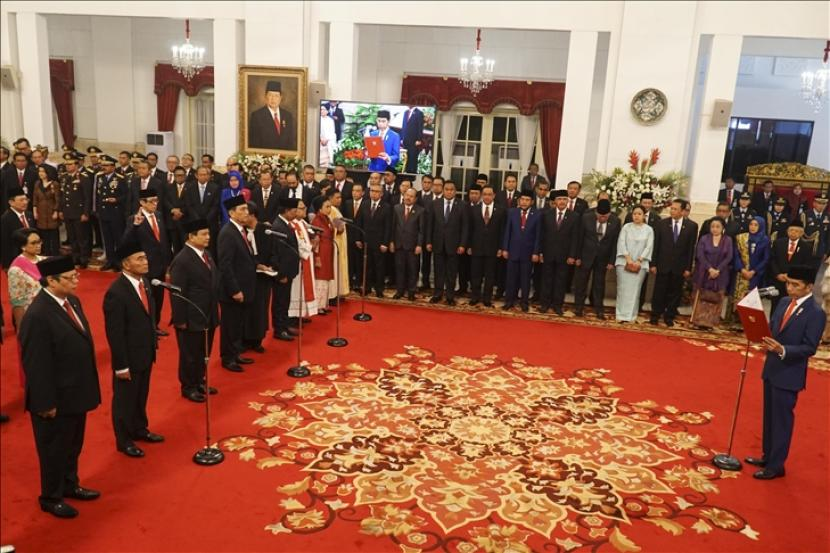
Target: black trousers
426, 268
111, 231
596, 274
376, 269
406, 271
538, 287
256, 323
355, 265
412, 160
129, 407
464, 270
482, 268
59, 442
518, 277
51, 241
779, 418
232, 329
279, 307
501, 276
446, 273
668, 287
94, 232
554, 283
176, 236
158, 298
78, 234
192, 357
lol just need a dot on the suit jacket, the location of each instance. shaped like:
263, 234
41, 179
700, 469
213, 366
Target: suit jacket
485, 238
378, 227
800, 338
526, 182
501, 199
76, 196
158, 251
131, 329
348, 212
671, 257
409, 233
172, 200
591, 249
446, 236
58, 358
425, 199
266, 213
346, 190
652, 219
207, 208
159, 174
522, 244
735, 196
762, 205
306, 194
287, 260
559, 243
237, 266
111, 186
262, 133
135, 187
9, 223
10, 180
413, 128
779, 264
200, 284
580, 205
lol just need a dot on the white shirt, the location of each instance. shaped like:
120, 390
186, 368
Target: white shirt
484, 207
339, 185
151, 217
275, 114
266, 193
200, 253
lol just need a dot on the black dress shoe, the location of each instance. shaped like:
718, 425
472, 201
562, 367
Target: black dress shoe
213, 391
160, 332
194, 396
151, 437
768, 474
558, 311
243, 360
333, 302
233, 366
257, 348
507, 306
59, 509
487, 304
132, 451
525, 308
293, 331
472, 303
284, 336
450, 301
579, 312
670, 322
84, 494
4, 417
543, 309
600, 315
306, 321
397, 296
411, 296
757, 461
434, 299
653, 321
379, 294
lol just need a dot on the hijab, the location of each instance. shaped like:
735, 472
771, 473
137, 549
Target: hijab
761, 235
239, 178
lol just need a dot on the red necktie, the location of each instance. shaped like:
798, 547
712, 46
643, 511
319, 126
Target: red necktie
205, 259
23, 221
729, 197
524, 218
245, 238
558, 219
20, 179
791, 250
277, 124
155, 227
143, 295
788, 313
72, 315
406, 214
571, 205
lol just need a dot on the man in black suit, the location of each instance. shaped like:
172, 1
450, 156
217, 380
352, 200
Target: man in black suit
341, 182
412, 133
142, 180
575, 203
266, 197
558, 243
355, 208
265, 256
397, 197
764, 199
217, 177
14, 218
390, 184
788, 250
111, 196
190, 171
447, 238
237, 269
58, 356
287, 266
428, 195
194, 271
508, 196
464, 261
155, 172
147, 228
599, 230
175, 212
293, 189
728, 194
272, 127
201, 200
674, 250
129, 319
532, 178
21, 175
724, 212
743, 214
487, 220
336, 113
407, 238
377, 226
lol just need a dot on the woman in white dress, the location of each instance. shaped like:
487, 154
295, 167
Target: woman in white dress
308, 305
328, 138
634, 250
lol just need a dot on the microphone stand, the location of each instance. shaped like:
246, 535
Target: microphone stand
207, 455
338, 341
362, 317
298, 370
727, 461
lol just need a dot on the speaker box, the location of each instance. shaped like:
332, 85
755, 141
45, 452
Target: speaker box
8, 77
317, 91
721, 113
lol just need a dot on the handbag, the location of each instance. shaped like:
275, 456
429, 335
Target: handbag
710, 296
632, 267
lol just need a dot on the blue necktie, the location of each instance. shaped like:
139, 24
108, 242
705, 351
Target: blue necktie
676, 230
447, 206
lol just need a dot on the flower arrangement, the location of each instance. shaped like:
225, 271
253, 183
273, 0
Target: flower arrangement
626, 187
252, 163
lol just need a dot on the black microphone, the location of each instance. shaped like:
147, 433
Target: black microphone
276, 233
769, 292
171, 287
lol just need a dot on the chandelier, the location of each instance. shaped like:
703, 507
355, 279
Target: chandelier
188, 59
814, 84
476, 73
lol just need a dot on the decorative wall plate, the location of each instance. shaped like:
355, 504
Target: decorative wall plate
649, 105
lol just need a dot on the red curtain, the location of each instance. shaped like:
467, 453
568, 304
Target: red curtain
62, 81
550, 124
168, 82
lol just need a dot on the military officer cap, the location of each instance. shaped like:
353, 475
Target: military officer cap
273, 86
65, 148
745, 196
56, 265
803, 273
94, 150
558, 194
821, 199
79, 155
42, 148
149, 192
796, 223
138, 156
192, 227
107, 160
290, 203
647, 196
127, 249
781, 201
234, 202
603, 207
69, 157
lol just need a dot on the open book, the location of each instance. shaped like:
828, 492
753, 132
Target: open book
751, 311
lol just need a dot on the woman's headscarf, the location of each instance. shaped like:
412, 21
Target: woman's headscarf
762, 230
239, 177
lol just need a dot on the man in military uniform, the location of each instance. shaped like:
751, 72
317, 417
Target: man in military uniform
91, 171
743, 214
124, 168
778, 220
75, 208
111, 194
817, 228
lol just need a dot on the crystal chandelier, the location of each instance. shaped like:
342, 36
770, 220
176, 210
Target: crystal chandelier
476, 73
188, 59
814, 84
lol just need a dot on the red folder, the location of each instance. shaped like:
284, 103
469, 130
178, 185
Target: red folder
753, 317
374, 145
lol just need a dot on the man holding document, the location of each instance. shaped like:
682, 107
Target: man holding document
385, 152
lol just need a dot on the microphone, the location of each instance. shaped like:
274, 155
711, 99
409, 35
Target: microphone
276, 233
347, 220
769, 292
171, 287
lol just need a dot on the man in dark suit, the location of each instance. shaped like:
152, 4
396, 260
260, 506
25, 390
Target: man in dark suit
508, 196
147, 228
142, 180
447, 239
219, 178
266, 197
390, 184
58, 357
558, 248
21, 175
341, 182
597, 251
743, 214
575, 203
265, 256
294, 190
111, 197
237, 269
796, 328
487, 222
129, 319
355, 208
722, 211
155, 171
464, 261
428, 195
728, 194
336, 113
201, 200
377, 226
287, 267
674, 250
788, 251
532, 178
519, 247
175, 213
14, 218
407, 239
194, 271
412, 132
764, 199
272, 127
75, 209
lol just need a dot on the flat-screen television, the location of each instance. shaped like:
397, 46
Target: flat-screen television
374, 137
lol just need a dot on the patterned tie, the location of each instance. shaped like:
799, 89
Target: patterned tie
486, 214
143, 295
20, 178
265, 194
524, 218
788, 313
245, 238
558, 219
447, 208
155, 227
406, 214
23, 221
72, 315
277, 124
729, 197
571, 205
374, 208
676, 231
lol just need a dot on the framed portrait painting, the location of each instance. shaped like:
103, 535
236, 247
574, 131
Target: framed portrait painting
272, 110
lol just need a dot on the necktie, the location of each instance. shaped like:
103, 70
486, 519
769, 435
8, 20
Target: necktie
201, 193
533, 182
245, 238
570, 205
20, 178
205, 259
600, 230
23, 221
447, 208
265, 194
510, 199
676, 231
558, 218
791, 250
143, 295
788, 313
277, 123
406, 214
72, 315
729, 197
374, 207
170, 177
524, 218
155, 227
486, 214
179, 188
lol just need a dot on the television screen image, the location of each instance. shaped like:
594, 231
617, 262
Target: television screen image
374, 137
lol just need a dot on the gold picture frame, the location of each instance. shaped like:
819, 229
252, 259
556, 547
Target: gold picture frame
258, 132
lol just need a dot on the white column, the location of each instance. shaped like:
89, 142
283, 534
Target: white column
35, 87
579, 82
229, 42
343, 45
710, 144
112, 54
274, 33
11, 122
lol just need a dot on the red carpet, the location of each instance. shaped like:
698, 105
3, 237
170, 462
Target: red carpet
498, 435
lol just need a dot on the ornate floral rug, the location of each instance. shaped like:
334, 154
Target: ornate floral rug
485, 454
